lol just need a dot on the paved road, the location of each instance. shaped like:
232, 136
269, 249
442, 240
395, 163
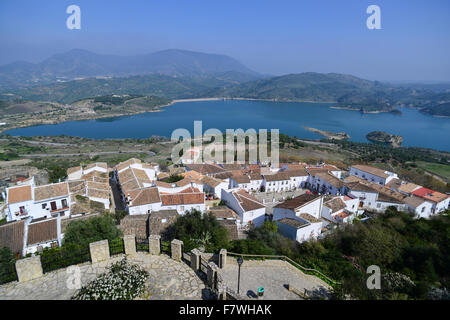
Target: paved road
273, 276
117, 200
91, 154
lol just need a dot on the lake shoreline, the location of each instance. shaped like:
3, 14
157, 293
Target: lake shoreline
222, 114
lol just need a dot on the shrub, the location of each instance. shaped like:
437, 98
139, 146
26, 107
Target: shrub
90, 230
123, 281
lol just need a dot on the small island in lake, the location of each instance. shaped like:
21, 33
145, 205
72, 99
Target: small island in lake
385, 138
328, 134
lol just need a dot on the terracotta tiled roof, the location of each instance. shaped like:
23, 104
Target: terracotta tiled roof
372, 170
51, 191
414, 201
335, 204
309, 217
297, 172
19, 194
241, 179
73, 169
145, 196
11, 236
135, 225
358, 186
127, 163
409, 187
331, 179
429, 194
279, 176
297, 202
42, 232
247, 201
223, 175
293, 222
98, 193
233, 166
255, 175
206, 169
182, 198
103, 165
210, 181
223, 212
159, 222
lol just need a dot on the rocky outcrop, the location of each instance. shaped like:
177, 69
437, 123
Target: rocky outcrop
385, 138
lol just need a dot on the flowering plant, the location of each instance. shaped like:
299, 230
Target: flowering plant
123, 281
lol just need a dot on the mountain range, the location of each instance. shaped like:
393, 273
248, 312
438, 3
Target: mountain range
78, 63
176, 74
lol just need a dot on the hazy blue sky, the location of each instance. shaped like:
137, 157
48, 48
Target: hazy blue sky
274, 37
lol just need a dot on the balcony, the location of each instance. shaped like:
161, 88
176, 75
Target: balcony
59, 209
21, 213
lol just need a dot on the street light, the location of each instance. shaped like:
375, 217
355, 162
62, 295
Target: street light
239, 261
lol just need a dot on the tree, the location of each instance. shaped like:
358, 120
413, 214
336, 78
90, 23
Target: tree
195, 229
93, 229
7, 272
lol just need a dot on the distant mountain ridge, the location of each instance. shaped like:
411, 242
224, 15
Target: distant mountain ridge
78, 63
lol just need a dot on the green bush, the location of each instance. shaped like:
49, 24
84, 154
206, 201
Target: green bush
196, 230
83, 232
7, 268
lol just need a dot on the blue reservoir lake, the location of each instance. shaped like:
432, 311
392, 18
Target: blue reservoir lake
417, 129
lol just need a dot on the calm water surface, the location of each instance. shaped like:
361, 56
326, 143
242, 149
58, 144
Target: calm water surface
416, 128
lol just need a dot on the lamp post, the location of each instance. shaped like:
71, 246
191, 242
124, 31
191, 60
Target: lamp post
239, 261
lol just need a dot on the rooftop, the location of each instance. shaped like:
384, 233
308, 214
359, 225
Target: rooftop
145, 196
297, 202
372, 170
19, 194
50, 191
335, 204
43, 231
247, 201
430, 194
293, 222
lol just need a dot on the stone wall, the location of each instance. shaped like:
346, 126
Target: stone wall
99, 251
29, 268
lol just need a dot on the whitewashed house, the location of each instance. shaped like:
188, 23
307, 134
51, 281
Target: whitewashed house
327, 183
367, 196
240, 182
439, 200
420, 207
143, 201
214, 186
305, 203
29, 201
185, 200
301, 229
372, 174
256, 181
341, 209
249, 209
280, 181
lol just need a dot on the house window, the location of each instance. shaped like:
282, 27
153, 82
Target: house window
64, 203
182, 208
22, 209
44, 205
378, 205
423, 209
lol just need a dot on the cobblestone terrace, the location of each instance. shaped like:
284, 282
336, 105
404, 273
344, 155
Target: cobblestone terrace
273, 276
169, 280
